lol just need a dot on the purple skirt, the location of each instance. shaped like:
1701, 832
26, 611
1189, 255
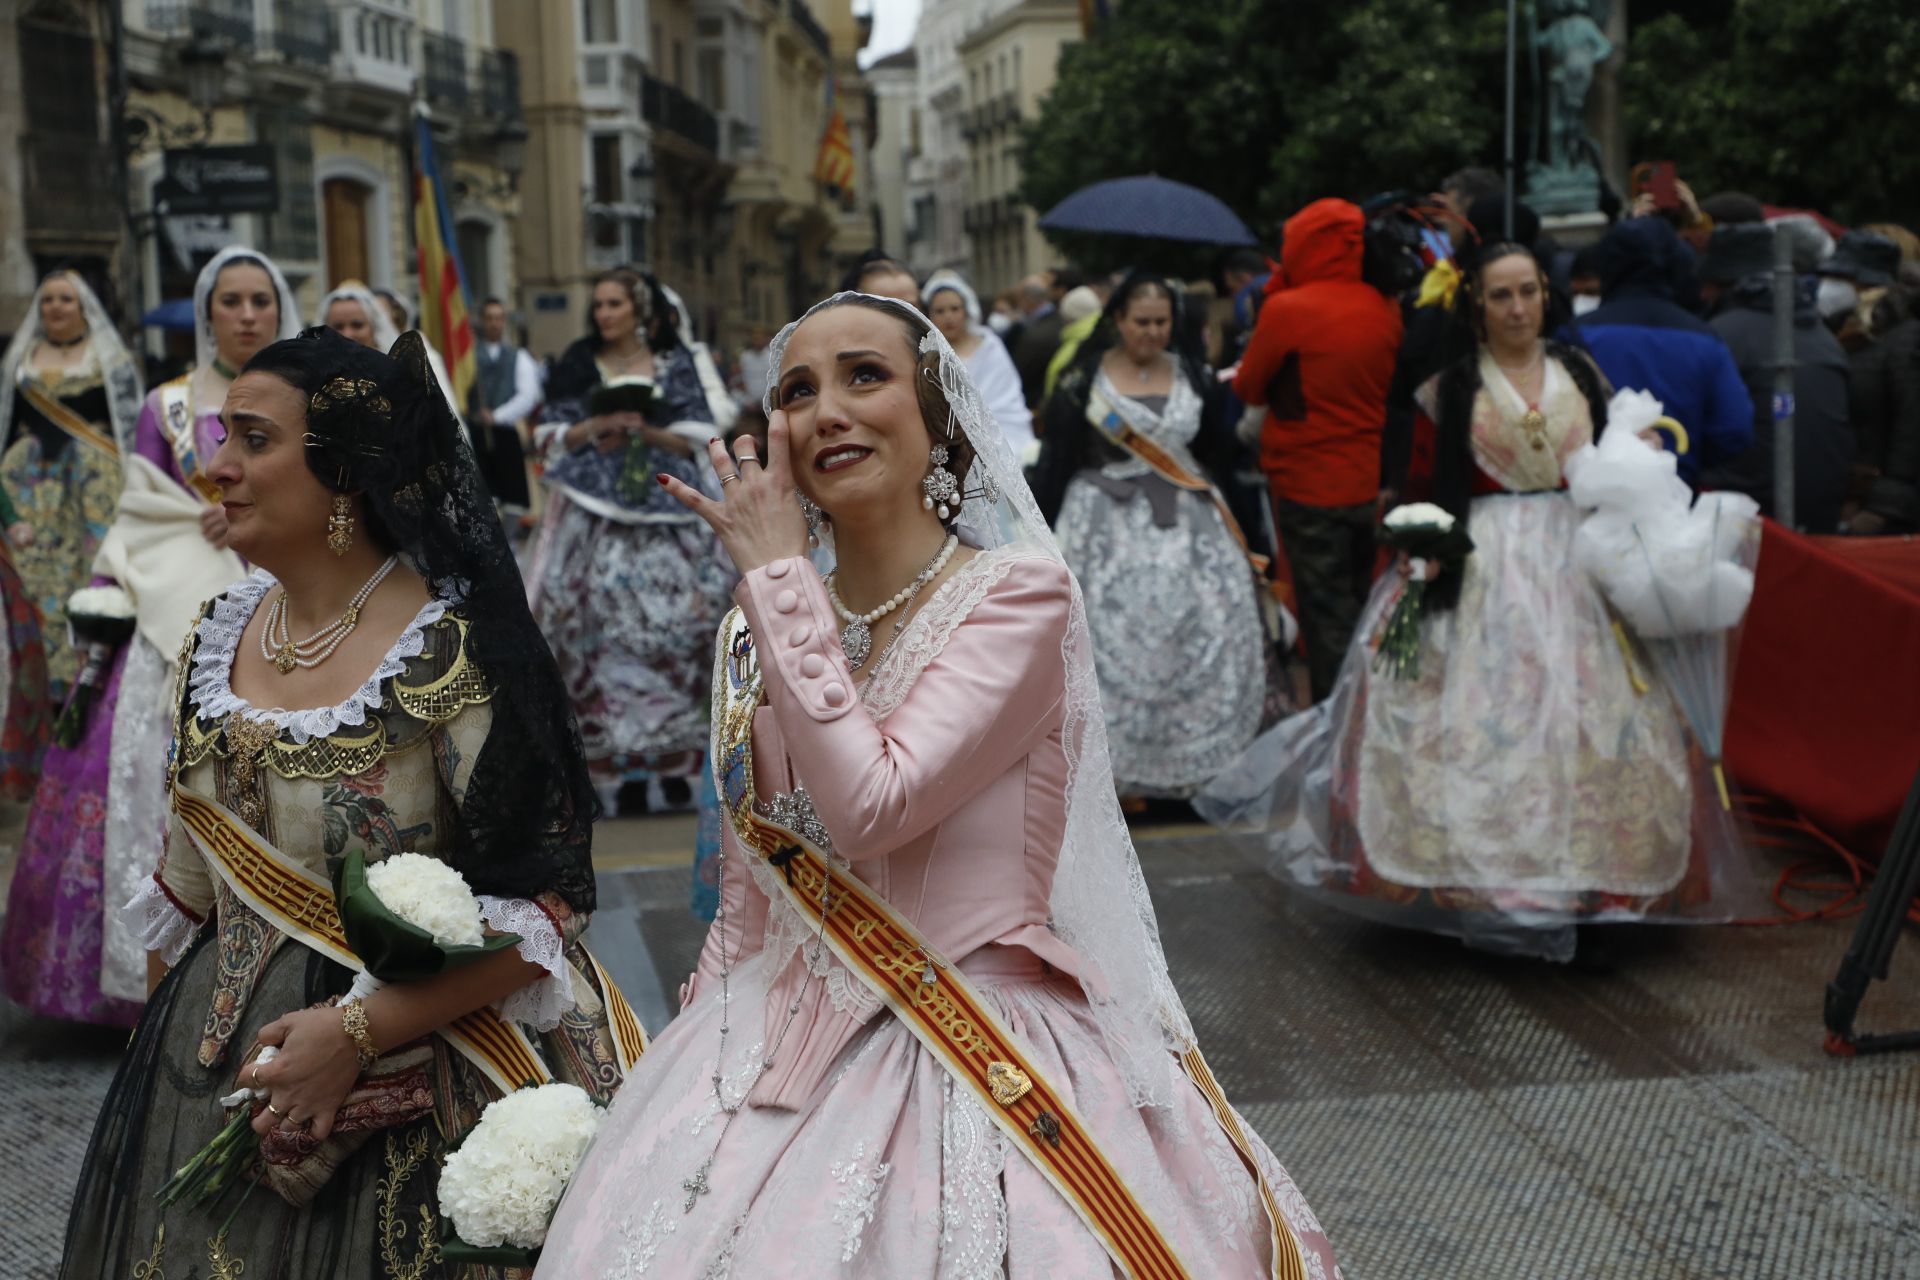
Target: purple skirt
50, 945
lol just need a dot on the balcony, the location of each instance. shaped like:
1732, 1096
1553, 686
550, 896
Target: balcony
445, 59
810, 28
498, 77
302, 33
375, 41
665, 107
228, 23
68, 180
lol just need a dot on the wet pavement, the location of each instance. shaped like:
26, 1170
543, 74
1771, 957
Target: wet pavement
1669, 1113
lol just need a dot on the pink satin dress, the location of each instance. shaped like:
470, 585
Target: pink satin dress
943, 780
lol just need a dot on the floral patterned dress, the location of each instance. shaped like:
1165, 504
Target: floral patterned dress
385, 772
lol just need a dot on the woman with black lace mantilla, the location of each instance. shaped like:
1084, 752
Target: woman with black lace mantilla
414, 708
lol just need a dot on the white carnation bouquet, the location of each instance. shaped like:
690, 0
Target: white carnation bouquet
101, 620
1429, 536
1678, 572
408, 917
500, 1186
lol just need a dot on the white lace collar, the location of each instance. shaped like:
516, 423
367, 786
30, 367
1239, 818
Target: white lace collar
886, 686
211, 683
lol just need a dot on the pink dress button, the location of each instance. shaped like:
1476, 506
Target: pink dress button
801, 638
834, 694
786, 602
778, 569
813, 665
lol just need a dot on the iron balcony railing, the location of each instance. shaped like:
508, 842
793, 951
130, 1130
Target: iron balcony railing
302, 33
498, 74
227, 22
668, 108
810, 27
446, 69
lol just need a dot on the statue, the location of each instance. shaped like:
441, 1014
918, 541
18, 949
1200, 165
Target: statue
1567, 51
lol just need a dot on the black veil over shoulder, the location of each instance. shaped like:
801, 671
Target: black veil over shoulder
377, 424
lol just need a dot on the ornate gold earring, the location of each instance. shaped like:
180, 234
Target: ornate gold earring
340, 525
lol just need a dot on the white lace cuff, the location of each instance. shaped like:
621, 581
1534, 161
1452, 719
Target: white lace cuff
163, 928
540, 1003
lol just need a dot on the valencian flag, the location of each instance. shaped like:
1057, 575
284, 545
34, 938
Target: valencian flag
834, 165
443, 286
1091, 13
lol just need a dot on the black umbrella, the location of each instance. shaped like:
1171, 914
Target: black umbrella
1151, 207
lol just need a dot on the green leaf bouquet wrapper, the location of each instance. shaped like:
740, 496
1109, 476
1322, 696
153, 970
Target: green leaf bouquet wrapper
392, 949
630, 395
1399, 651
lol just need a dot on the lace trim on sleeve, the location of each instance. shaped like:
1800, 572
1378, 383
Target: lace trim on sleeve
220, 633
926, 636
541, 1002
162, 925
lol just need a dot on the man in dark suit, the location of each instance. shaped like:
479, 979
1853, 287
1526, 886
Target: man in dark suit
1040, 337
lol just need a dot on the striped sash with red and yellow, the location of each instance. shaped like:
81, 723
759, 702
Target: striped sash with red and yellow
301, 905
947, 1014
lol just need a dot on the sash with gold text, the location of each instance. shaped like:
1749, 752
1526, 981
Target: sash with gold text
947, 1014
176, 416
301, 905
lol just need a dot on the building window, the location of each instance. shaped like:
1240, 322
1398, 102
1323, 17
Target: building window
293, 233
599, 21
346, 203
475, 238
680, 65
1016, 69
973, 86
711, 74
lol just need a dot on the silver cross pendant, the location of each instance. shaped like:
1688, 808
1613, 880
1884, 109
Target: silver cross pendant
696, 1186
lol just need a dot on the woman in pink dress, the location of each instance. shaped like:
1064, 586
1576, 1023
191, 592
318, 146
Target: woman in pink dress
931, 720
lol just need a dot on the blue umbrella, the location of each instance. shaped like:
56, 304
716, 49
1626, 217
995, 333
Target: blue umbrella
175, 314
1151, 207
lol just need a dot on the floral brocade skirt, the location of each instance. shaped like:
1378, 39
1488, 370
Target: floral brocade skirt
1535, 774
27, 722
52, 944
630, 611
890, 1170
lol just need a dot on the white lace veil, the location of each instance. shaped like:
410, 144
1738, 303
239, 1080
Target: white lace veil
205, 349
384, 334
1099, 904
105, 352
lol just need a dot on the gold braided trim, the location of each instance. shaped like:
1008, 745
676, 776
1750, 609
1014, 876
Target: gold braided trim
225, 1265
150, 1268
350, 751
394, 1232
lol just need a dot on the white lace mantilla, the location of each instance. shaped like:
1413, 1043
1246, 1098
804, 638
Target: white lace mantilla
540, 1003
211, 683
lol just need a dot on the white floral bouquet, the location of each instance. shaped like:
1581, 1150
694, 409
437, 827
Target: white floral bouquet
1429, 536
500, 1186
101, 619
407, 917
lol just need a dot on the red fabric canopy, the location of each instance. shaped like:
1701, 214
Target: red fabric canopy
1825, 712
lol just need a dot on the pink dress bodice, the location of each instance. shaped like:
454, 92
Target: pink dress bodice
942, 780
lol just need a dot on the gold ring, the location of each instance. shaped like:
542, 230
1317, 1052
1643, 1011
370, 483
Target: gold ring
727, 480
256, 1075
277, 1111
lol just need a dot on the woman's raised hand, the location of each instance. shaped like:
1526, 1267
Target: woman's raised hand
757, 517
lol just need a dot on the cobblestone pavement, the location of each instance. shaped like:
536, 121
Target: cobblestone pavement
1448, 1114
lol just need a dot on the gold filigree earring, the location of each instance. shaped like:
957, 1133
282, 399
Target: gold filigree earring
340, 525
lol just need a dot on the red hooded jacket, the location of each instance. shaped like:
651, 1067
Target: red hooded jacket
1324, 348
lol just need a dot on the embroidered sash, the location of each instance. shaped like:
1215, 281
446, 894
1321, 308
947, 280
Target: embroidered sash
66, 419
301, 905
947, 1014
1145, 449
176, 417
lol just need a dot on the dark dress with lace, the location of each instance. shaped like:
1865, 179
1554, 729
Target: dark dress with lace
401, 767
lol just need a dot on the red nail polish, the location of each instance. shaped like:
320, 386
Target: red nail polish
662, 480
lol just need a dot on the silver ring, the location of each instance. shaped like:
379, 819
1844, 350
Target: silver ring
727, 480
742, 458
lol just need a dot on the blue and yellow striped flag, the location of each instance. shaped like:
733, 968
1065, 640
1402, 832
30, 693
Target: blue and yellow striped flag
443, 286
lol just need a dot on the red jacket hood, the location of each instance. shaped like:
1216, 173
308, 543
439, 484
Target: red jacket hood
1324, 241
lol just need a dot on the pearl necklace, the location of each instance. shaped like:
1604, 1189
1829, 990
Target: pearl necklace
286, 653
856, 638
